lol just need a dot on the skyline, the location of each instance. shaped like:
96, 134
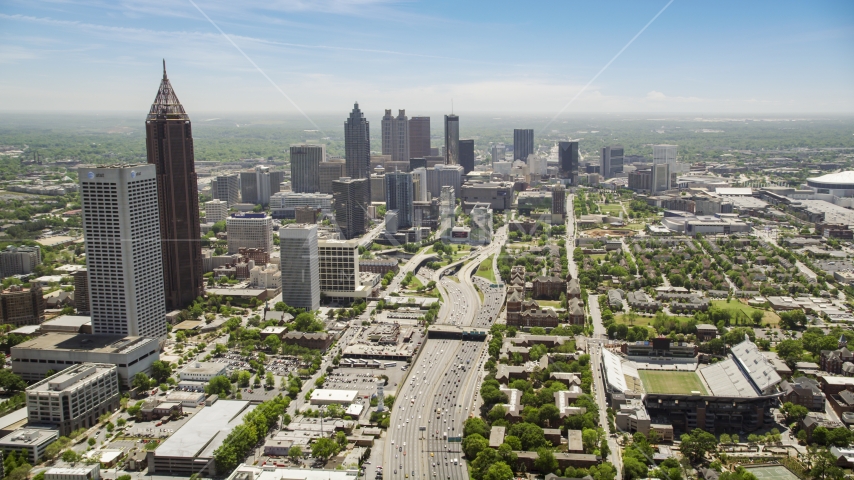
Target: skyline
321, 57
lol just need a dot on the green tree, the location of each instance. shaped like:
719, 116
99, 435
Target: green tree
141, 381
160, 370
273, 342
740, 473
324, 448
794, 413
697, 444
70, 456
476, 425
546, 461
498, 471
295, 452
634, 468
219, 385
11, 382
474, 444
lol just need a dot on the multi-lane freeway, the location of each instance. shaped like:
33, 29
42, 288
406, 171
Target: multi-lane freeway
439, 392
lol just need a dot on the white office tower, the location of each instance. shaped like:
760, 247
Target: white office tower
664, 154
537, 165
481, 224
380, 395
121, 229
216, 211
249, 230
447, 203
419, 176
300, 266
398, 196
391, 221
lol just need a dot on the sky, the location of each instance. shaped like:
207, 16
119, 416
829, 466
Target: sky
553, 58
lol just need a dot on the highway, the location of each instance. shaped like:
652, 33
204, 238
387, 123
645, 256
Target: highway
439, 392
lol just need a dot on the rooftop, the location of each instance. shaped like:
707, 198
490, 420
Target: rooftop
97, 343
206, 430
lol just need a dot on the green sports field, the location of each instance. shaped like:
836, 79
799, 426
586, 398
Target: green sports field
668, 381
772, 473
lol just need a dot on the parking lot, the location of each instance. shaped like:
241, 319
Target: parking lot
365, 379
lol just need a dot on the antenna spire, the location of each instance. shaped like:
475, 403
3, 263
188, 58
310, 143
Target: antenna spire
164, 68
452, 104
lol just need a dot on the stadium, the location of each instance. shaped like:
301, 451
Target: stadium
678, 394
840, 184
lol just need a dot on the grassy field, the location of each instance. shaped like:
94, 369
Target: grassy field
734, 306
485, 269
660, 381
612, 209
549, 303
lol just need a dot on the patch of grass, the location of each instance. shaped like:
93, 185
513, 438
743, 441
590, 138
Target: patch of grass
613, 209
549, 303
664, 381
636, 226
485, 269
768, 317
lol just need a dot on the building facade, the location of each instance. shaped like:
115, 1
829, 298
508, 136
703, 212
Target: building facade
305, 167
452, 140
419, 137
395, 136
226, 188
19, 260
75, 397
249, 230
21, 306
399, 196
169, 144
300, 266
350, 206
523, 143
121, 228
357, 150
467, 155
216, 211
330, 171
81, 292
568, 161
611, 161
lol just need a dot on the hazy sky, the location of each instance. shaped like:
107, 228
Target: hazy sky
706, 57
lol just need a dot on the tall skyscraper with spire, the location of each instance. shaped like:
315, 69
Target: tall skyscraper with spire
169, 143
357, 148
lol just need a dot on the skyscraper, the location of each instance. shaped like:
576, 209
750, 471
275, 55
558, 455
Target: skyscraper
248, 187
395, 136
399, 196
611, 161
419, 180
467, 155
121, 230
419, 137
664, 154
559, 200
300, 266
498, 151
350, 205
452, 140
568, 160
447, 206
226, 188
169, 143
523, 143
357, 149
305, 168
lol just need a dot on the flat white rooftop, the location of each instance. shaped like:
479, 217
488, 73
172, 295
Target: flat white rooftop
247, 472
204, 433
324, 395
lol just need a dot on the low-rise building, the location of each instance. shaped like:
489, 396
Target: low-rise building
29, 442
706, 332
22, 306
86, 472
33, 359
803, 391
202, 371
